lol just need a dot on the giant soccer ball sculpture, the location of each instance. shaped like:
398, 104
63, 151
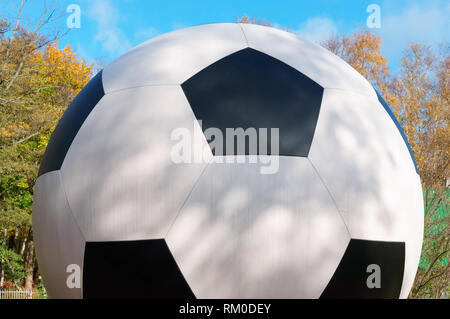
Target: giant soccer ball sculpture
122, 209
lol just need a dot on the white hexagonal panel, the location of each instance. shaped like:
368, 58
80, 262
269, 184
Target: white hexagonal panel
242, 234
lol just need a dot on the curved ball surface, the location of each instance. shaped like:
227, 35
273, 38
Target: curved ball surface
140, 176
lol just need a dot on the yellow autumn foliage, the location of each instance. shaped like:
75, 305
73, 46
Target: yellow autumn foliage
49, 80
419, 97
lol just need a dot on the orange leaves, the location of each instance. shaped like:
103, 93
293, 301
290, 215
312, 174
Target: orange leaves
7, 132
362, 51
47, 81
246, 19
62, 68
418, 96
423, 107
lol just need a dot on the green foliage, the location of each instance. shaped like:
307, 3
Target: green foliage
37, 82
14, 265
41, 292
433, 273
19, 168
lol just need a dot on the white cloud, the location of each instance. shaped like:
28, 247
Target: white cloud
112, 38
416, 23
317, 29
177, 25
146, 33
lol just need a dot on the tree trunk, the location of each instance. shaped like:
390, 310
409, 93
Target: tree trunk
22, 250
14, 240
29, 262
2, 279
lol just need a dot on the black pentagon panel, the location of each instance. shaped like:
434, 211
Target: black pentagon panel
250, 89
70, 123
399, 127
132, 269
358, 275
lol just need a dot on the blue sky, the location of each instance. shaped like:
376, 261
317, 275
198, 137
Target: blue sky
111, 27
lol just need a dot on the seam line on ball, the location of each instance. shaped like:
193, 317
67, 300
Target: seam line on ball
68, 205
353, 91
331, 196
139, 86
187, 197
243, 32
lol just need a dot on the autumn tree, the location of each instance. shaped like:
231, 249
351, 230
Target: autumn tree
37, 82
246, 19
362, 51
419, 98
